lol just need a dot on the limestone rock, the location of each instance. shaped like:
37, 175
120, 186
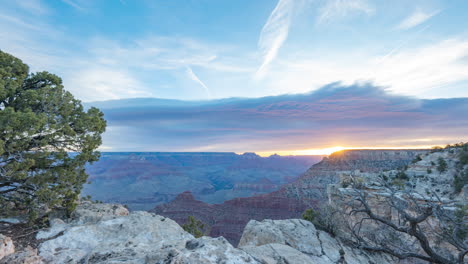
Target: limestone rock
297, 233
6, 246
125, 238
278, 254
88, 212
206, 250
26, 256
318, 246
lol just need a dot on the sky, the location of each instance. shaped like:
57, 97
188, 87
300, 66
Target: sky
212, 49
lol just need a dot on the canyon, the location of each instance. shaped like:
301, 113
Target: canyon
229, 218
142, 180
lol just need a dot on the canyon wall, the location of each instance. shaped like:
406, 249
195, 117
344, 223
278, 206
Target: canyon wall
142, 180
229, 218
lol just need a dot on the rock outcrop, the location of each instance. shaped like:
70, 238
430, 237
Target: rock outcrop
269, 238
105, 236
428, 182
229, 218
6, 246
25, 256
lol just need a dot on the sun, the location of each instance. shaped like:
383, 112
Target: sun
324, 151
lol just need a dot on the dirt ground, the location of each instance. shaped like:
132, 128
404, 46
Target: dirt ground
21, 234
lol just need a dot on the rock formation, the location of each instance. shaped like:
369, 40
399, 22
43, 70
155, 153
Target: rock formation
6, 246
143, 180
422, 190
229, 218
98, 233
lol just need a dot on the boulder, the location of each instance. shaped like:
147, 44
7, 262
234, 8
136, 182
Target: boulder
89, 212
205, 250
278, 254
296, 233
6, 246
261, 239
126, 238
26, 256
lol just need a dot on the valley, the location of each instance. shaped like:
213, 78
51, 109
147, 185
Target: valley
142, 180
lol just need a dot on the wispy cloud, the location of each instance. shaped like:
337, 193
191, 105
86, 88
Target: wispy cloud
195, 78
274, 34
34, 6
339, 9
416, 18
74, 4
409, 70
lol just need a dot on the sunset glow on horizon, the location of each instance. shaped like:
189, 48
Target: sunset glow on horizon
331, 150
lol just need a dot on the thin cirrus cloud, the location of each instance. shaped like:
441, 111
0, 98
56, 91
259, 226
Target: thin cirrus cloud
415, 19
276, 29
334, 115
339, 9
195, 78
274, 33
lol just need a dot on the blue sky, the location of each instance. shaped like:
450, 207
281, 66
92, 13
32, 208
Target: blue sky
187, 49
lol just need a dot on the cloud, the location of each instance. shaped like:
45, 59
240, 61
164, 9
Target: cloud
416, 18
73, 4
339, 9
424, 71
195, 78
34, 6
274, 34
335, 115
104, 83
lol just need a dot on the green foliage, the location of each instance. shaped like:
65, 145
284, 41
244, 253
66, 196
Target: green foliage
463, 157
461, 226
441, 165
418, 158
323, 218
402, 175
459, 181
310, 215
46, 138
399, 183
194, 227
429, 171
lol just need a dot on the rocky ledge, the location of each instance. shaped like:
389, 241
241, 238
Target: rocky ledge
106, 233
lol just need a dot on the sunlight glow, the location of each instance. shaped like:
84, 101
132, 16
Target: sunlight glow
330, 150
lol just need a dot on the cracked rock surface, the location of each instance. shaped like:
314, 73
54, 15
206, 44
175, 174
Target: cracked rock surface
261, 238
105, 236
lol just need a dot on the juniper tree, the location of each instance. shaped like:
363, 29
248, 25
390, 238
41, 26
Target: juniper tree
46, 138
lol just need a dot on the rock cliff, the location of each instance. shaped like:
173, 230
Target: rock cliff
229, 218
105, 233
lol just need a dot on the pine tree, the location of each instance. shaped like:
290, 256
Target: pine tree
46, 138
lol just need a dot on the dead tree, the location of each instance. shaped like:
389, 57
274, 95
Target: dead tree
405, 224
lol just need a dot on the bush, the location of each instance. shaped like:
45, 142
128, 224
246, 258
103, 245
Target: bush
402, 175
323, 219
194, 227
441, 165
46, 139
463, 157
459, 181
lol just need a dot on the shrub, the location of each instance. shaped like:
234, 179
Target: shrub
194, 227
441, 165
460, 180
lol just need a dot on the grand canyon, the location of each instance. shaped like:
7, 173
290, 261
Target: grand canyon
228, 219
